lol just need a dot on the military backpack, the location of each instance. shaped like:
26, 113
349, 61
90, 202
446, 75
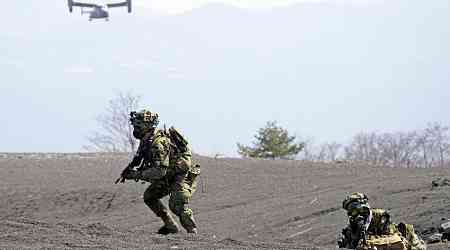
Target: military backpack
381, 222
180, 147
383, 242
178, 141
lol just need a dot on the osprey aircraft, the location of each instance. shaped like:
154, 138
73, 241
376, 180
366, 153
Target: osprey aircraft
98, 11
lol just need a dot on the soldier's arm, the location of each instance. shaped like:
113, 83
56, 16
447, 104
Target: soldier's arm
160, 157
366, 213
414, 242
137, 159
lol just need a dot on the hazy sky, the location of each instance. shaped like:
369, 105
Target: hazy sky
181, 6
323, 69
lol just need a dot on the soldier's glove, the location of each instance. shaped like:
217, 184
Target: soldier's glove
132, 175
341, 243
402, 228
127, 174
121, 178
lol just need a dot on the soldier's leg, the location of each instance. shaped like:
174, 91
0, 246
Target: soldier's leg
152, 198
180, 196
192, 177
414, 242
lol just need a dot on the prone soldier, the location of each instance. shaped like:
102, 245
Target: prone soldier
371, 228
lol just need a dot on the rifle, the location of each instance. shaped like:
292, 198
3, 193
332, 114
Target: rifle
362, 236
121, 178
354, 235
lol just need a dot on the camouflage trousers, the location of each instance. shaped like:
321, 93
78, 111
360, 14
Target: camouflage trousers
413, 241
180, 190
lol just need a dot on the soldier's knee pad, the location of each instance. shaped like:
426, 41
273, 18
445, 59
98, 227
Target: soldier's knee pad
178, 201
177, 206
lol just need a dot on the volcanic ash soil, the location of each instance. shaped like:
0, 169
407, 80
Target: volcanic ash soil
70, 202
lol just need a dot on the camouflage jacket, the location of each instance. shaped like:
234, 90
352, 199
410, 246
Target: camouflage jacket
152, 156
158, 157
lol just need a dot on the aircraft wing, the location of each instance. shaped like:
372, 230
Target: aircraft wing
121, 4
89, 5
112, 5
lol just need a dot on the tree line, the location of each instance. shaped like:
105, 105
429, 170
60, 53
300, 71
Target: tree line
427, 147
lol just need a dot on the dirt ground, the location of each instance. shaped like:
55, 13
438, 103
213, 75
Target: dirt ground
70, 202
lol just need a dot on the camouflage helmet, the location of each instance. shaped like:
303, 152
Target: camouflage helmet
144, 119
354, 199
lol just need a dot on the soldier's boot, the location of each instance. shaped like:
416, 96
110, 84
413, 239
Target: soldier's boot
188, 222
170, 226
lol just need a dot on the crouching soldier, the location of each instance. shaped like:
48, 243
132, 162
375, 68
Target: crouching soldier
371, 228
167, 165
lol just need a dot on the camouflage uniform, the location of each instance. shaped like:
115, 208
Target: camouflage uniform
359, 218
168, 172
412, 239
376, 222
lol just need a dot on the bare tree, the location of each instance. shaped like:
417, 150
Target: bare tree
398, 149
364, 147
325, 152
308, 154
429, 147
439, 142
424, 142
333, 150
321, 153
115, 133
328, 152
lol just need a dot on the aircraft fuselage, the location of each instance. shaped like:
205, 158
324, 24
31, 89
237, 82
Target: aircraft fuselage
98, 13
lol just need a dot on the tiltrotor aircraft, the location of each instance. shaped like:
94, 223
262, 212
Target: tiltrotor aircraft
98, 11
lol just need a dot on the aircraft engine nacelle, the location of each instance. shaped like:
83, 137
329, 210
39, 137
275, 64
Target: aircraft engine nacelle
129, 6
70, 4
